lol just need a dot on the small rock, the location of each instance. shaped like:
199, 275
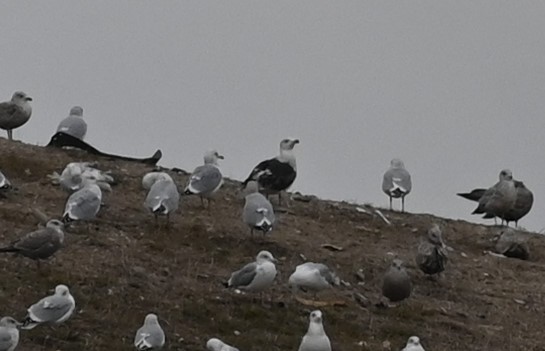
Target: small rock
386, 345
236, 332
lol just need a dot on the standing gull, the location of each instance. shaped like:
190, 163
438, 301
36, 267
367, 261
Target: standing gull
396, 285
40, 244
499, 199
313, 276
215, 344
521, 207
396, 182
256, 276
432, 255
9, 334
206, 179
55, 308
276, 174
163, 197
74, 124
315, 339
84, 204
413, 344
15, 113
150, 336
258, 212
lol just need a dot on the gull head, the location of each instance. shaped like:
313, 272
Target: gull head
62, 290
435, 236
76, 111
316, 316
20, 97
9, 322
288, 144
211, 157
397, 264
265, 256
151, 318
413, 341
55, 224
506, 174
397, 163
214, 344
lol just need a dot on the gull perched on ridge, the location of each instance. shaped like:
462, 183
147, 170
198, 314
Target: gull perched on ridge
163, 197
315, 339
216, 344
413, 344
150, 336
74, 124
258, 212
15, 113
9, 334
500, 198
55, 308
396, 182
276, 174
206, 179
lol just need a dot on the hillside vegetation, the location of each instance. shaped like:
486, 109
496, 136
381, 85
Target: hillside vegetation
121, 267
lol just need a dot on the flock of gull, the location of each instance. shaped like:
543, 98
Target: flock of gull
508, 200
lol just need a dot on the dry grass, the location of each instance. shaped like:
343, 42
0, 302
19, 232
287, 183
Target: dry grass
125, 267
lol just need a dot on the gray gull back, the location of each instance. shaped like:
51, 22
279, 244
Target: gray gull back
150, 336
74, 124
255, 276
396, 182
55, 308
9, 334
258, 212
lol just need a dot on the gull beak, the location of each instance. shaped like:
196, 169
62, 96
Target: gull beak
220, 157
296, 141
28, 98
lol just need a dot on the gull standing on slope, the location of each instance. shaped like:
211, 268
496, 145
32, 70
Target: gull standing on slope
55, 308
150, 336
396, 285
215, 344
276, 174
315, 339
396, 182
163, 197
413, 344
9, 334
258, 212
431, 257
500, 198
15, 113
84, 204
206, 179
74, 124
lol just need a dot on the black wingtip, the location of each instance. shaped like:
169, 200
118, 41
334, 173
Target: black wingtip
225, 284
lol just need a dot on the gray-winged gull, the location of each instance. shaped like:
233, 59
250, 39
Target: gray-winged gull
84, 204
512, 244
499, 199
258, 212
276, 174
315, 339
9, 334
150, 336
39, 244
150, 178
55, 308
163, 197
256, 276
74, 175
521, 207
216, 344
396, 182
74, 124
206, 179
313, 276
15, 113
396, 285
413, 344
431, 256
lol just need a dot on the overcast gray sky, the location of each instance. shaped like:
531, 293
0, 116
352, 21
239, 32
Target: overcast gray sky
454, 88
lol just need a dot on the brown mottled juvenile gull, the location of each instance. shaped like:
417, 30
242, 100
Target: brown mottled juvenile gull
512, 244
216, 344
499, 199
40, 244
74, 124
15, 113
431, 257
396, 285
150, 336
396, 182
55, 308
9, 334
413, 344
206, 179
315, 339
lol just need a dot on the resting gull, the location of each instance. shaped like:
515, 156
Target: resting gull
256, 276
215, 344
40, 244
431, 257
413, 344
500, 198
396, 182
276, 174
258, 212
512, 244
150, 336
163, 197
9, 334
150, 178
74, 124
15, 113
521, 207
396, 285
84, 204
313, 276
206, 179
55, 308
315, 339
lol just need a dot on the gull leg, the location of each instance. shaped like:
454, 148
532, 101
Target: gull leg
403, 204
390, 203
202, 202
10, 134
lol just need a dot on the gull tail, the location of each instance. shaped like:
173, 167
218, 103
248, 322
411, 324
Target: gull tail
159, 209
474, 195
67, 219
28, 324
8, 249
264, 225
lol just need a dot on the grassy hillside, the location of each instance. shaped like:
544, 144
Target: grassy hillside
123, 267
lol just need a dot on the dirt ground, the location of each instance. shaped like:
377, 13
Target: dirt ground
121, 267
